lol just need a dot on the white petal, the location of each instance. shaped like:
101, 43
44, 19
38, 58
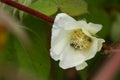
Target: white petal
100, 42
71, 58
86, 32
54, 55
55, 32
81, 66
96, 46
91, 52
82, 23
64, 21
59, 34
93, 28
57, 49
58, 43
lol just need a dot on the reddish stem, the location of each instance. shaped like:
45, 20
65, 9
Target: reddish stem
28, 10
106, 47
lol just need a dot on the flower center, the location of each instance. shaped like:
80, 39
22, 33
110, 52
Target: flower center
79, 40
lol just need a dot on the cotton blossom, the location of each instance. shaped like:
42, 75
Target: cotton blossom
74, 42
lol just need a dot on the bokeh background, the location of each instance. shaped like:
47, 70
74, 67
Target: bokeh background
21, 62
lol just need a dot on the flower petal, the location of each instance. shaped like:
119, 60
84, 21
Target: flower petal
71, 57
86, 32
57, 49
96, 46
54, 55
100, 41
90, 53
64, 21
58, 43
82, 23
93, 28
81, 66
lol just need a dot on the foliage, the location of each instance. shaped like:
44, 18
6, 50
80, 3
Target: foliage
72, 7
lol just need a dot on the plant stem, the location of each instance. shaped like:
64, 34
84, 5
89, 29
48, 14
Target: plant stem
106, 47
28, 10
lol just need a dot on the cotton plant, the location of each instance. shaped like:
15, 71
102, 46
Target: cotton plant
74, 42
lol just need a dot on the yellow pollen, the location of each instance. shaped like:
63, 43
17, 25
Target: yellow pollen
79, 40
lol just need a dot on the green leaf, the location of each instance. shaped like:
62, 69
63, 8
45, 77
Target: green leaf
47, 7
71, 7
8, 54
8, 61
74, 7
32, 60
35, 58
115, 30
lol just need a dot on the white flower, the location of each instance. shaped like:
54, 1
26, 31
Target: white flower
73, 42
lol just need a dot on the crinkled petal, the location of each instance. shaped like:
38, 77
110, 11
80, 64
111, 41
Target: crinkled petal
57, 49
100, 42
66, 22
91, 52
93, 28
55, 33
86, 32
82, 23
58, 43
55, 56
71, 57
81, 66
96, 46
58, 34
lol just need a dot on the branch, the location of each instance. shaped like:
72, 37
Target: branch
28, 10
111, 65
